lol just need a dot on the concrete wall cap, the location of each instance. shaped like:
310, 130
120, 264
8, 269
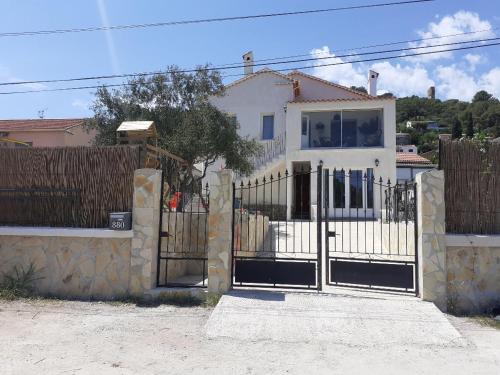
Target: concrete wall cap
64, 232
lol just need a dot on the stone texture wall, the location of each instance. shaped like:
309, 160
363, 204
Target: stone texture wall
219, 232
71, 266
473, 275
145, 223
84, 267
431, 237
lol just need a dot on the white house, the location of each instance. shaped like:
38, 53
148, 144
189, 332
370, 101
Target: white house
303, 121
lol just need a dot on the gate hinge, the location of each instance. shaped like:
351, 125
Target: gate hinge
332, 234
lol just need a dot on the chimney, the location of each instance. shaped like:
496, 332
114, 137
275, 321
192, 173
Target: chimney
372, 83
431, 93
248, 62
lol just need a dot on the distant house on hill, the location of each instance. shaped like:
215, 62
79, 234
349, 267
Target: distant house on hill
44, 133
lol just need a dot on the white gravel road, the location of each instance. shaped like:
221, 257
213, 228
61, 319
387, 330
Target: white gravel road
54, 337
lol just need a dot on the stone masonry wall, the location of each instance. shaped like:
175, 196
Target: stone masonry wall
473, 275
71, 266
111, 266
431, 237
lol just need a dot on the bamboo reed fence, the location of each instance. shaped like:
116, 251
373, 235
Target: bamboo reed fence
66, 186
472, 186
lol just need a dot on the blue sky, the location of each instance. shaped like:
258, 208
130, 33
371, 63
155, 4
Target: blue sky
457, 75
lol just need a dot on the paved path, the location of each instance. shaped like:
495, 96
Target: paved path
358, 320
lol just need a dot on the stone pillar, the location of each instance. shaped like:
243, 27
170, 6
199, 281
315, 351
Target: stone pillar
220, 221
145, 223
432, 238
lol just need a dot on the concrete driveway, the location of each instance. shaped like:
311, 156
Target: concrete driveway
247, 333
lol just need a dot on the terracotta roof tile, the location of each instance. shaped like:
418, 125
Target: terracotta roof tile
298, 100
410, 158
38, 124
261, 71
361, 94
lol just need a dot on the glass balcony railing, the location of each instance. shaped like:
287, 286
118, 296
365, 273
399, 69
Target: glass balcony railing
342, 129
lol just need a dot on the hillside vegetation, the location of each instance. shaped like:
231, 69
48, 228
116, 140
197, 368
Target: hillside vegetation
480, 117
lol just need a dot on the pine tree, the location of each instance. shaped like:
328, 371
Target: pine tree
469, 125
456, 129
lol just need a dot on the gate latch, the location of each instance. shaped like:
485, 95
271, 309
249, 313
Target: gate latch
332, 234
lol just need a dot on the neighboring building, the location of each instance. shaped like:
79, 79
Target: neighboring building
409, 164
412, 149
303, 120
44, 133
403, 139
423, 125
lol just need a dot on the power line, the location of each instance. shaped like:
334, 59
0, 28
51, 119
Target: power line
143, 74
377, 45
277, 70
206, 20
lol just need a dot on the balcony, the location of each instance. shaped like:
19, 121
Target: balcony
342, 129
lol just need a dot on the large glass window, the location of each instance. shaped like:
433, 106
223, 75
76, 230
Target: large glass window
339, 189
268, 127
356, 189
348, 128
369, 188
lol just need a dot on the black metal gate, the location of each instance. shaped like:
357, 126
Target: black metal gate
182, 243
276, 244
367, 228
374, 244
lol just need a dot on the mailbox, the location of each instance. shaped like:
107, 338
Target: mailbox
120, 220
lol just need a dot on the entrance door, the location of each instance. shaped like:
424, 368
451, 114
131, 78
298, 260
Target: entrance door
302, 192
352, 193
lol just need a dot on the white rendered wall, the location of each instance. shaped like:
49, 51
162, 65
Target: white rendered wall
357, 158
263, 94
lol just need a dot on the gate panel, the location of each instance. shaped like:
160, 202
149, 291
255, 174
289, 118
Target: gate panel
370, 273
370, 232
275, 272
276, 240
182, 243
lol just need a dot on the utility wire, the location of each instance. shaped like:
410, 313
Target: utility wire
209, 68
374, 45
205, 20
277, 70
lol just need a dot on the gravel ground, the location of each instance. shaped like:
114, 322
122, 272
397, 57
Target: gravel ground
56, 337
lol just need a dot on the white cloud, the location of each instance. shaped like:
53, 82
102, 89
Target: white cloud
474, 60
455, 83
398, 79
345, 74
491, 82
403, 80
460, 22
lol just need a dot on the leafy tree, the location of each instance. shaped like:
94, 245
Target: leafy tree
360, 89
187, 124
481, 96
468, 124
456, 129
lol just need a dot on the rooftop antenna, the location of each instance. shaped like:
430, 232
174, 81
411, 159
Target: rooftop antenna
41, 113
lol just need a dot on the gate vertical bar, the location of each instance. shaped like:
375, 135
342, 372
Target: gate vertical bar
233, 232
326, 192
160, 225
415, 230
318, 224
